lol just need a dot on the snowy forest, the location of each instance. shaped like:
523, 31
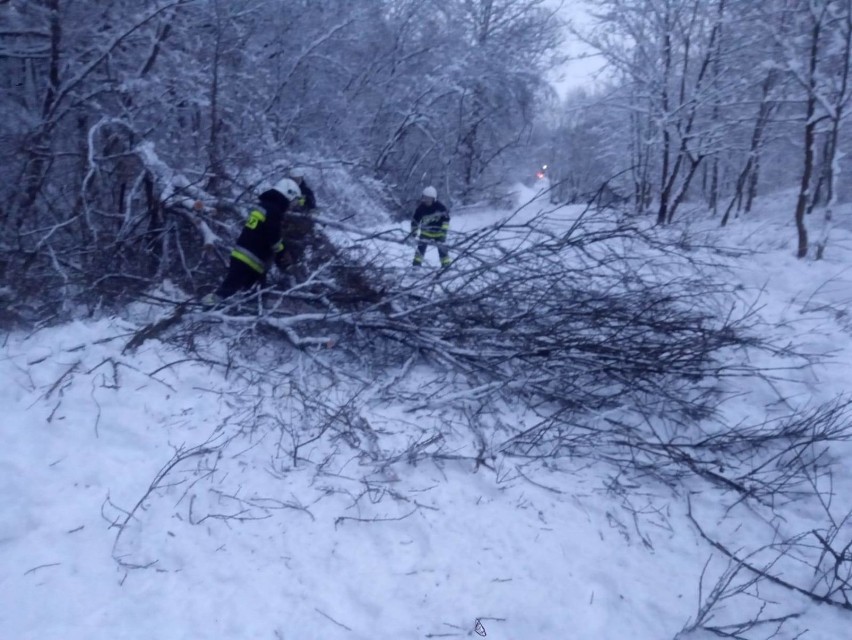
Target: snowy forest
619, 407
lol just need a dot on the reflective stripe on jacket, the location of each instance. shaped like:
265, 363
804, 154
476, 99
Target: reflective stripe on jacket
433, 221
244, 255
260, 239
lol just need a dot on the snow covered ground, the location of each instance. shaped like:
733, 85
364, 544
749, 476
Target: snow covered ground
124, 516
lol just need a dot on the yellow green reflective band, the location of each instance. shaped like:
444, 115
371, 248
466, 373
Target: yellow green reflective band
255, 218
433, 234
248, 258
278, 248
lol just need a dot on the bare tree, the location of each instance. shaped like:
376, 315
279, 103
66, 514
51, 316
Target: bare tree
670, 53
131, 150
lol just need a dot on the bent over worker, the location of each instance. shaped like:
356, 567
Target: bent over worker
259, 241
432, 219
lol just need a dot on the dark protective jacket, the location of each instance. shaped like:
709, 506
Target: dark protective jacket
433, 220
260, 239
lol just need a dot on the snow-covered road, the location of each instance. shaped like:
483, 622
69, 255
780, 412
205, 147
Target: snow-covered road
243, 544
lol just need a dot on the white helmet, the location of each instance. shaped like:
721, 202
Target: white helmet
430, 192
288, 189
297, 172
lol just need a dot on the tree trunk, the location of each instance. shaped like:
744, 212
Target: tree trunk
753, 181
217, 169
810, 137
37, 165
693, 167
804, 186
665, 182
714, 186
747, 180
832, 159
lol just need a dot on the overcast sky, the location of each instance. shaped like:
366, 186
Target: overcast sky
580, 71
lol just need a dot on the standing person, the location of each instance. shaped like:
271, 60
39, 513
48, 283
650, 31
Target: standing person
432, 219
307, 202
258, 243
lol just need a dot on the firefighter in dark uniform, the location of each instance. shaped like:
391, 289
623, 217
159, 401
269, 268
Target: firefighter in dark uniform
432, 219
259, 242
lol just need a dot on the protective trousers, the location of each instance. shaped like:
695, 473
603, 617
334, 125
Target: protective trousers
439, 242
241, 277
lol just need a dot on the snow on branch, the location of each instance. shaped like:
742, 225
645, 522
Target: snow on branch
99, 57
177, 190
